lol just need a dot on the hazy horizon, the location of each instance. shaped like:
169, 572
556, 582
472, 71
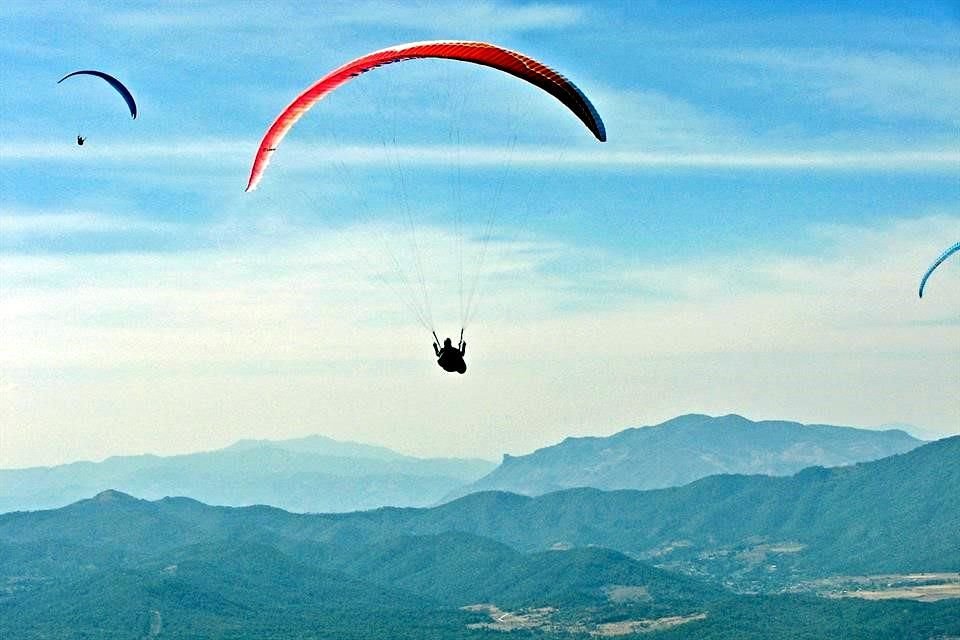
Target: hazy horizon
912, 430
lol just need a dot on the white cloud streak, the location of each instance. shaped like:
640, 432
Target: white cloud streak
298, 156
19, 224
442, 16
883, 83
456, 16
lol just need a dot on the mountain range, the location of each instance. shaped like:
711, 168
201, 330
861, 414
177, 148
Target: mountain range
319, 474
305, 474
718, 558
685, 449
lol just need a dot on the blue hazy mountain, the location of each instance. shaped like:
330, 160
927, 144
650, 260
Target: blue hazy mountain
306, 474
685, 449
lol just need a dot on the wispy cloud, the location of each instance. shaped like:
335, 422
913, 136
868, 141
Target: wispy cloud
19, 224
296, 155
57, 150
448, 16
887, 84
458, 16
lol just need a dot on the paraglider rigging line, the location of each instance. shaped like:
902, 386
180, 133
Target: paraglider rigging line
348, 179
422, 307
409, 300
411, 227
488, 231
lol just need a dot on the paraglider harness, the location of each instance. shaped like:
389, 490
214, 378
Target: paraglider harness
448, 358
80, 140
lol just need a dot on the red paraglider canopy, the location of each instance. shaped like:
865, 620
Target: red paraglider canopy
480, 53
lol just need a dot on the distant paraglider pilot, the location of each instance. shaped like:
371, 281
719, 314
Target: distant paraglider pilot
81, 140
450, 358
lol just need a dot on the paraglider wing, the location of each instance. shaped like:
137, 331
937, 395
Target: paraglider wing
116, 84
946, 254
481, 53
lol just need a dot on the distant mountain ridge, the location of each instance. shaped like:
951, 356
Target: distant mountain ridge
685, 449
321, 445
320, 474
314, 473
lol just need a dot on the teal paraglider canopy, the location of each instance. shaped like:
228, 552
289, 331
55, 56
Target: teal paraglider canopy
946, 254
116, 84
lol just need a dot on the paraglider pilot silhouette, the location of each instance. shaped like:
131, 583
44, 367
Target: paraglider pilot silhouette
80, 140
450, 358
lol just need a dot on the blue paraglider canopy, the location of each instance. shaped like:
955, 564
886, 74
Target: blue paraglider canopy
946, 254
116, 84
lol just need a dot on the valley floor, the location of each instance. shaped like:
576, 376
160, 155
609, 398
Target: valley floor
922, 587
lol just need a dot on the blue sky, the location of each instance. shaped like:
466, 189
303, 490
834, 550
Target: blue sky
750, 238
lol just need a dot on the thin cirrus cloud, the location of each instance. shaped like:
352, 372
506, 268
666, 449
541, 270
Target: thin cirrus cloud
434, 16
884, 83
455, 16
303, 156
21, 224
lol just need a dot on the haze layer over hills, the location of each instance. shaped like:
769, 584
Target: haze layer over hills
318, 474
115, 564
685, 449
306, 474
